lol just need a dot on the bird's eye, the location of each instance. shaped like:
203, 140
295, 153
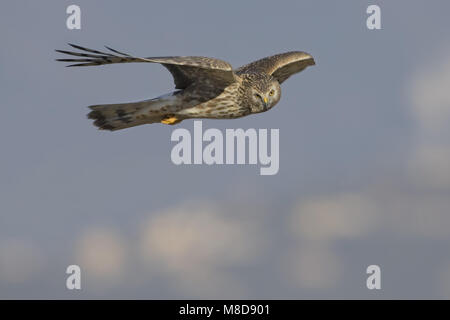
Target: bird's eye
272, 92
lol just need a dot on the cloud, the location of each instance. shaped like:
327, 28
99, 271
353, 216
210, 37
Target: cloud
416, 215
331, 217
19, 260
101, 254
430, 166
196, 246
429, 95
317, 223
396, 210
314, 267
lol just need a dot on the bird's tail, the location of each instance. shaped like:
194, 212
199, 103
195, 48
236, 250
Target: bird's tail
125, 115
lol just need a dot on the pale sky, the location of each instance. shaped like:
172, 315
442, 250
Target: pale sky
364, 155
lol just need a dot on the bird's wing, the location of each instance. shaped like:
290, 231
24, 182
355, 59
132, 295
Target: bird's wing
280, 66
185, 70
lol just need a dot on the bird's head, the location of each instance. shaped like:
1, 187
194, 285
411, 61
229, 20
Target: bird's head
265, 94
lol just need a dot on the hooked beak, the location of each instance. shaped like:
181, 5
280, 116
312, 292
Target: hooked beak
266, 102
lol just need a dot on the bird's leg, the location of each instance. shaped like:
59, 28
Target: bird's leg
171, 119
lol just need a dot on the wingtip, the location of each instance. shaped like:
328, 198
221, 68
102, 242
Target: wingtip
61, 51
311, 59
75, 46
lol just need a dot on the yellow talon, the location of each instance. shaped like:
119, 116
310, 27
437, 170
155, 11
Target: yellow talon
170, 120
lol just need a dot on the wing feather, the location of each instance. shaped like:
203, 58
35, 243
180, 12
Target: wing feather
185, 70
280, 66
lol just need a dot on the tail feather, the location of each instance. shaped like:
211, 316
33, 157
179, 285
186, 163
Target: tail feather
120, 116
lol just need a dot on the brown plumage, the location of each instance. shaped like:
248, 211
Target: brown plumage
207, 87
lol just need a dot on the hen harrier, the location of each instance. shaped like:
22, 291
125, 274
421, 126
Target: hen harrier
207, 88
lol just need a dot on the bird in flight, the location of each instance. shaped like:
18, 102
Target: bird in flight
205, 87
